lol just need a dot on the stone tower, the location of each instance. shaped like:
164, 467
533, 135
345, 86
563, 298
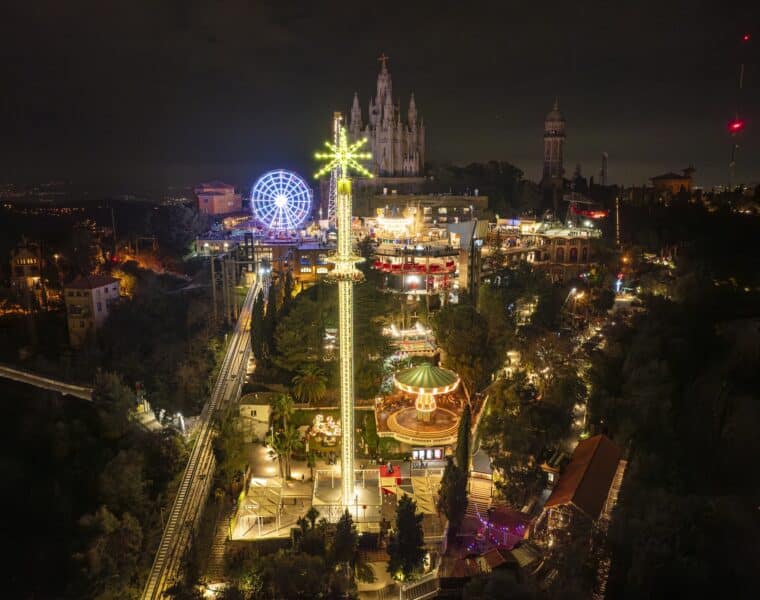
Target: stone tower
554, 142
397, 144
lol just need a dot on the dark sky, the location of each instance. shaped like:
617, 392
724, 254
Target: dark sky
174, 91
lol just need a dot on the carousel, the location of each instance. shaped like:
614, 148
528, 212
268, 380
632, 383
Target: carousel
424, 409
426, 382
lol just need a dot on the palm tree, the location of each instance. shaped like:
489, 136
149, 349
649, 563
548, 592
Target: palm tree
310, 385
291, 441
278, 451
311, 516
282, 408
311, 462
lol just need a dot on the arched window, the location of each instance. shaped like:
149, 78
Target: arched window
584, 254
560, 255
573, 254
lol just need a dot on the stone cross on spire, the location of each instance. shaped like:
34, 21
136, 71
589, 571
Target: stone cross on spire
383, 59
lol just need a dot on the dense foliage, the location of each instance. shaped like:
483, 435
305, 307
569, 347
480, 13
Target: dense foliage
91, 505
680, 387
292, 348
406, 547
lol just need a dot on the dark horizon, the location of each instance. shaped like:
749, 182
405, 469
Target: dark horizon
157, 95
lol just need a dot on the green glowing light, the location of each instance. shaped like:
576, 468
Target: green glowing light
344, 157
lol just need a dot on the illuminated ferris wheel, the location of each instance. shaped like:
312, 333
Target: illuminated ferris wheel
281, 201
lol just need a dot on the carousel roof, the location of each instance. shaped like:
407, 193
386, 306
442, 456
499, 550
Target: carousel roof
426, 377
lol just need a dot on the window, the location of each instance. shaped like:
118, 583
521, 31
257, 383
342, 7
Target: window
100, 307
253, 413
81, 324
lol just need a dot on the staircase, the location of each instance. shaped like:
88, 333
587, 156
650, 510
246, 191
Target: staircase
215, 569
479, 497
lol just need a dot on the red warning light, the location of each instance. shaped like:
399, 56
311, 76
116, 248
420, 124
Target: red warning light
736, 126
745, 37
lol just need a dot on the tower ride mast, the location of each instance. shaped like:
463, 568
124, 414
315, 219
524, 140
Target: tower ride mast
340, 158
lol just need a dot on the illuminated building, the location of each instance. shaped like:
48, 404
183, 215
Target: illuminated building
674, 183
554, 147
585, 493
218, 198
563, 252
429, 209
26, 271
88, 302
342, 156
397, 144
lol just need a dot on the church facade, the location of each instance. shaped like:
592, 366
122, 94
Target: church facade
397, 143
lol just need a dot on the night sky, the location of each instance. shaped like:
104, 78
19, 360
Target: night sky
175, 91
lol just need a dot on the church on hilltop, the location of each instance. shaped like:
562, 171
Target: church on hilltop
397, 143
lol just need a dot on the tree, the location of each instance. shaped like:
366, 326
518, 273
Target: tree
113, 401
346, 541
311, 463
312, 515
111, 558
291, 441
296, 576
287, 291
270, 320
406, 546
452, 495
310, 385
177, 226
122, 484
463, 440
462, 333
278, 451
257, 326
230, 451
299, 337
282, 409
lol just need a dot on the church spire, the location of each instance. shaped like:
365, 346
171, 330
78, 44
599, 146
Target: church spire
412, 114
556, 103
356, 115
384, 85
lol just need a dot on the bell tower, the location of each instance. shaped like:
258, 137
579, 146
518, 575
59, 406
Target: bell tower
554, 143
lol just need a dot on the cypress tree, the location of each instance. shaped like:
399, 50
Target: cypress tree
257, 326
270, 322
463, 440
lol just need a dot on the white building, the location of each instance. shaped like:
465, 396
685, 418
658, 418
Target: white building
254, 419
88, 302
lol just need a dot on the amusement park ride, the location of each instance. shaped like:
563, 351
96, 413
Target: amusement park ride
340, 158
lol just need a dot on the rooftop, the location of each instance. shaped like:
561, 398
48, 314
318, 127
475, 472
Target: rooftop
90, 282
670, 175
586, 480
426, 376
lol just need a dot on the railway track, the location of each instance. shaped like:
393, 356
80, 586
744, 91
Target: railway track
199, 471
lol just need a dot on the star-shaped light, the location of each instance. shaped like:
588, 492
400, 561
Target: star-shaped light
344, 157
